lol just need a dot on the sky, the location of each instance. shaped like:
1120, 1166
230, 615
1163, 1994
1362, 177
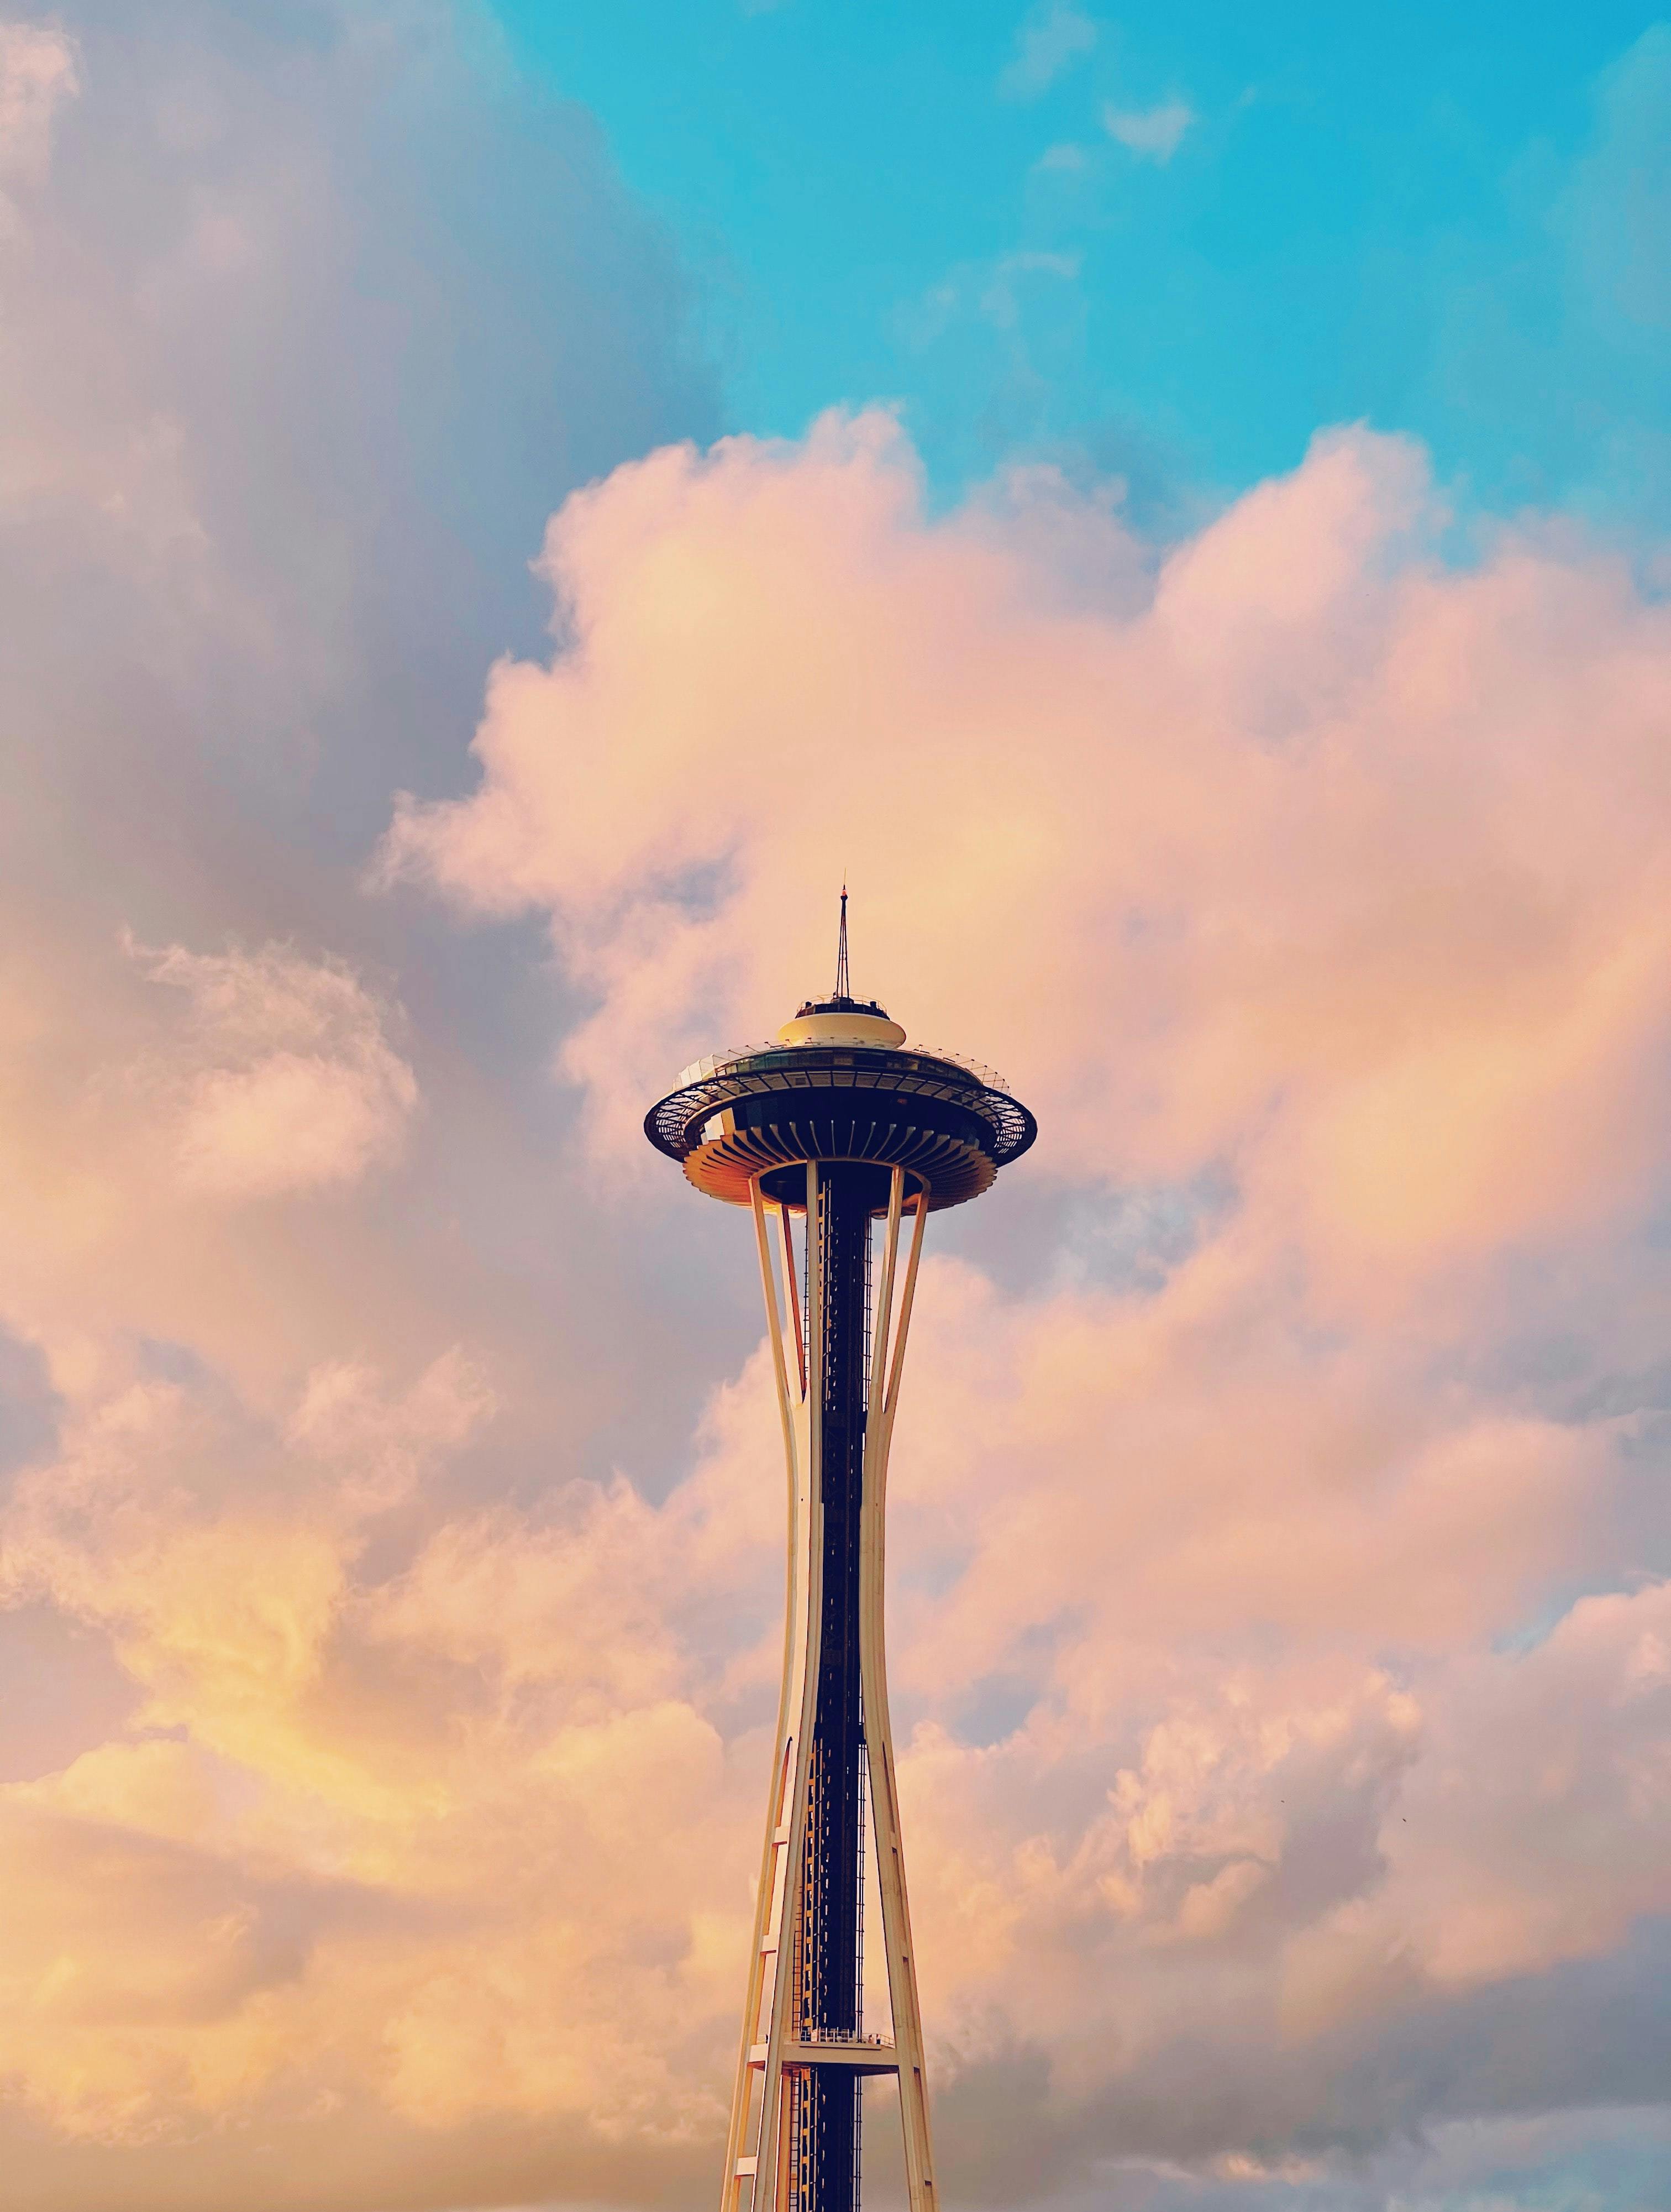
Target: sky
501, 510
1170, 245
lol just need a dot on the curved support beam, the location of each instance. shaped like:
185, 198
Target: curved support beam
905, 1305
774, 1320
884, 1302
792, 1283
762, 1950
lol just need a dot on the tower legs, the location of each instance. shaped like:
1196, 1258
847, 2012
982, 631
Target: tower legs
794, 2140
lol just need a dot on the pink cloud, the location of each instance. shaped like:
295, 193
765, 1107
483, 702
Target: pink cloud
1294, 866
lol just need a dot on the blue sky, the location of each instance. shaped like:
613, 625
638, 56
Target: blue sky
1164, 245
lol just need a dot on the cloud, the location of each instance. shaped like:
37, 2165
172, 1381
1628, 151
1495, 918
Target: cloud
219, 1578
1318, 963
1153, 134
1055, 35
389, 1534
1560, 287
447, 1842
287, 1081
1000, 296
1276, 869
1614, 214
38, 74
285, 400
263, 520
294, 1837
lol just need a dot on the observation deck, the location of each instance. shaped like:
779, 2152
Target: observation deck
839, 1083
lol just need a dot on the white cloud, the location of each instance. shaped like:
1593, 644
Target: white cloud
1055, 35
1000, 295
1153, 134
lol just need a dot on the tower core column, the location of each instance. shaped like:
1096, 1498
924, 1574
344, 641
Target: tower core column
832, 1889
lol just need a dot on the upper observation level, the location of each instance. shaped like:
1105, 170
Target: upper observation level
839, 1083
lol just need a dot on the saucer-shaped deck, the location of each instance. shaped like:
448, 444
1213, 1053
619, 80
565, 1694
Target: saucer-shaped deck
765, 1111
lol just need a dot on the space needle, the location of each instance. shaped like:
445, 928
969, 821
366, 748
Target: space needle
838, 1125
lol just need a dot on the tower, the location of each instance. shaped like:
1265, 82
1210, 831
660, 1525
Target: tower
836, 1123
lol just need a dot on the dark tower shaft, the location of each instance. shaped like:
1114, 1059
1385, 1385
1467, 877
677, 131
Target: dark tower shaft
830, 1930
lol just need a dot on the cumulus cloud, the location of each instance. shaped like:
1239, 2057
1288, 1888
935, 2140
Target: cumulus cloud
351, 1797
219, 1575
1153, 134
460, 1839
1399, 976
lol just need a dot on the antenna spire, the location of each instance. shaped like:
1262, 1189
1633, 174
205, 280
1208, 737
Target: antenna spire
843, 989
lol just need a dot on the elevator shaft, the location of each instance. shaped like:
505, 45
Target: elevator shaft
830, 1995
